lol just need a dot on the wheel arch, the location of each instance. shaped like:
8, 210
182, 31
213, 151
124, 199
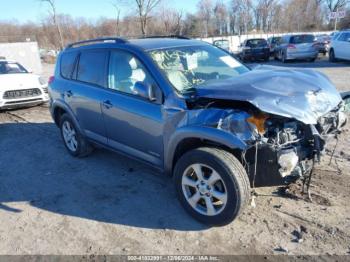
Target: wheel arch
191, 138
58, 109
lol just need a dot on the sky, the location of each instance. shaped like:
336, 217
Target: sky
33, 10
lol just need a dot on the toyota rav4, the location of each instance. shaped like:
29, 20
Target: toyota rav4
194, 112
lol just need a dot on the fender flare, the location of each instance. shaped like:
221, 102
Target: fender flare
206, 133
63, 105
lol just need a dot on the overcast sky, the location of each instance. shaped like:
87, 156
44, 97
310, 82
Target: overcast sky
33, 10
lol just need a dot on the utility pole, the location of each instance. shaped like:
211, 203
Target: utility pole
336, 20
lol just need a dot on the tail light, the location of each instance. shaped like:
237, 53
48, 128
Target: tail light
51, 79
290, 46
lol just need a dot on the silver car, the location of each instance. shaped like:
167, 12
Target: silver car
292, 47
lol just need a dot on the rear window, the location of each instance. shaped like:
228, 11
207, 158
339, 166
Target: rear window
67, 64
256, 43
92, 67
301, 39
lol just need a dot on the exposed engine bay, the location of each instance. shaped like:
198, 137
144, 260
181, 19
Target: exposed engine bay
279, 150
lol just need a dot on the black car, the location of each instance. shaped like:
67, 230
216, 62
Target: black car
254, 49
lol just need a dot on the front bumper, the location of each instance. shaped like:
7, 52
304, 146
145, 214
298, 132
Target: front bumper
282, 165
24, 102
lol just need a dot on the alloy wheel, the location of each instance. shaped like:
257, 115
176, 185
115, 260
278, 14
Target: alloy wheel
204, 189
70, 136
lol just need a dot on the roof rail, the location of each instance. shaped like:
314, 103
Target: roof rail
116, 40
167, 36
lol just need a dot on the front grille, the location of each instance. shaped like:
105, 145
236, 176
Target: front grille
45, 89
16, 94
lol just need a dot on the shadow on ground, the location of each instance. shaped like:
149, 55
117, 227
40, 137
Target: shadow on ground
106, 187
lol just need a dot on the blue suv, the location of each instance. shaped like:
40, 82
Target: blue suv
194, 112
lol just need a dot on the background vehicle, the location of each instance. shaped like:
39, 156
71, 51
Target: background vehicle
340, 46
294, 47
191, 110
254, 49
323, 43
224, 44
18, 87
273, 42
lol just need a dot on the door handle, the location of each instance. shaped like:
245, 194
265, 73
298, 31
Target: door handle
68, 93
107, 104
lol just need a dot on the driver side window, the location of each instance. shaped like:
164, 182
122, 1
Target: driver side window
125, 70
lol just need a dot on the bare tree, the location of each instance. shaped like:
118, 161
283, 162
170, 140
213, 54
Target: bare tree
53, 14
116, 6
144, 10
205, 12
221, 17
334, 5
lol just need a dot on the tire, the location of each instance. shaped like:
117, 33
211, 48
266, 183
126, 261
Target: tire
312, 60
232, 184
81, 147
283, 57
332, 57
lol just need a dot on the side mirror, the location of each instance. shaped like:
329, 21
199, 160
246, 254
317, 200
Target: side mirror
145, 91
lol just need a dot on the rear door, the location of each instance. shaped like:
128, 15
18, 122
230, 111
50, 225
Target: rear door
86, 92
134, 124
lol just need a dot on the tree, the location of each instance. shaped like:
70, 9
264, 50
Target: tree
116, 6
334, 5
205, 12
144, 9
53, 14
221, 17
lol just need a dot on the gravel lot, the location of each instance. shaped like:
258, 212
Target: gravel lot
52, 203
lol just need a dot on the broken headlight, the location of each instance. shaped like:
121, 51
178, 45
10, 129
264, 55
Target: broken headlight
243, 125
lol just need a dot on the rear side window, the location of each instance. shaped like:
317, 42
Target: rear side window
67, 64
301, 39
92, 67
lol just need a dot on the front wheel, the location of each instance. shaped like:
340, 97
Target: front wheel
332, 56
212, 185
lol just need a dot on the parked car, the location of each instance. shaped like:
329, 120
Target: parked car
19, 87
340, 47
273, 42
223, 44
254, 49
192, 111
323, 43
293, 47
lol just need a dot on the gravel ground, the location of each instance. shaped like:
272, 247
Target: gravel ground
52, 203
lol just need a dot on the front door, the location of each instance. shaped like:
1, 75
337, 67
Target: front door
134, 124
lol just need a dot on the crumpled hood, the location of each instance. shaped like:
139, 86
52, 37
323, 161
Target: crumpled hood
303, 94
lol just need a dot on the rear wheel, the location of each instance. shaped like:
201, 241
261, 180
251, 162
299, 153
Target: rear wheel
283, 57
212, 185
73, 140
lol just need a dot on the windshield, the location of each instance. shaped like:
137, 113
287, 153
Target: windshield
301, 39
190, 66
11, 68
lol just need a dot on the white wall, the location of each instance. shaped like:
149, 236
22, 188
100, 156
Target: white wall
236, 40
26, 53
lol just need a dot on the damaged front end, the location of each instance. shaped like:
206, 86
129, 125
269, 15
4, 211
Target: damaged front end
284, 117
279, 150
